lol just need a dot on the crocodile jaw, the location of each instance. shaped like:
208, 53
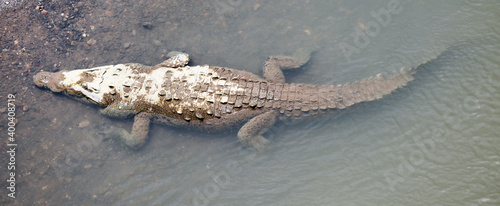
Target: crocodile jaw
82, 84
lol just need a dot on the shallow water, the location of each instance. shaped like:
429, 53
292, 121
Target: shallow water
433, 142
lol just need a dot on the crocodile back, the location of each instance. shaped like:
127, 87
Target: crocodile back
204, 92
194, 93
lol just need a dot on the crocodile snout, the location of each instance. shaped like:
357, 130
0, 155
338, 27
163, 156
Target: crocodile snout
52, 81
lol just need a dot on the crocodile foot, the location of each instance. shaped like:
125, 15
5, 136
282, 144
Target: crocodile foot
257, 142
116, 133
134, 139
274, 65
251, 133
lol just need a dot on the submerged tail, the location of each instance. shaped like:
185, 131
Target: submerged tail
369, 89
304, 99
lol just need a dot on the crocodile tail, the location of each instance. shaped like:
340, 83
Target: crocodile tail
306, 99
372, 88
368, 89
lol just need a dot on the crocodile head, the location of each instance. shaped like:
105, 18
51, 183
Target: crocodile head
83, 84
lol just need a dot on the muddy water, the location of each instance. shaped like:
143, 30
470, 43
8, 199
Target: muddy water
433, 142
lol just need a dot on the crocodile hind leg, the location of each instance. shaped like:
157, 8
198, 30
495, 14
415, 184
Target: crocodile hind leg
139, 134
251, 133
274, 65
176, 59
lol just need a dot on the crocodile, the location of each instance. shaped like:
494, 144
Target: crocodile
211, 97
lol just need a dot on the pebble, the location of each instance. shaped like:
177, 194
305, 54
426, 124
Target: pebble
157, 42
256, 6
27, 67
147, 25
91, 42
126, 45
108, 13
84, 123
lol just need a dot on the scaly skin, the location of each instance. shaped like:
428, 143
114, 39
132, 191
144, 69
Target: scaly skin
211, 97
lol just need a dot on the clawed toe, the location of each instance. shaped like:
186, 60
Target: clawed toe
303, 55
121, 134
257, 142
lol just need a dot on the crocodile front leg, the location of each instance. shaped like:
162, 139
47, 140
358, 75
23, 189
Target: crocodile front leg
251, 133
139, 134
